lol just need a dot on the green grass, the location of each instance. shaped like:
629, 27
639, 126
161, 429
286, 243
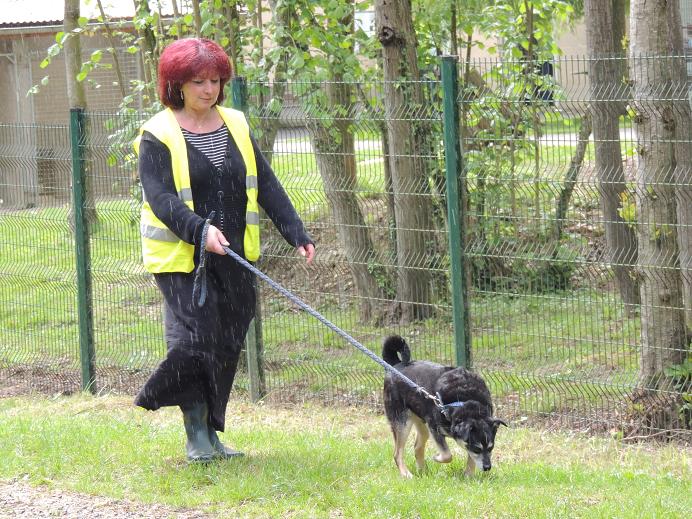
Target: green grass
39, 288
561, 339
310, 461
555, 123
541, 327
300, 177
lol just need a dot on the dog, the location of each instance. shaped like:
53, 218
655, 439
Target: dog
466, 417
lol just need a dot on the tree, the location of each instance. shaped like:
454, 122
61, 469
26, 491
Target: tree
321, 58
147, 44
683, 153
607, 85
75, 89
663, 334
505, 105
405, 108
73, 56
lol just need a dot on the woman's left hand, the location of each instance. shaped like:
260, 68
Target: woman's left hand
308, 251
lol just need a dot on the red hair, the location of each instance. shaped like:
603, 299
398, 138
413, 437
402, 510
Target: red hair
187, 58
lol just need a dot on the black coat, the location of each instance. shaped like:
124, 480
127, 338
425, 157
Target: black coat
204, 343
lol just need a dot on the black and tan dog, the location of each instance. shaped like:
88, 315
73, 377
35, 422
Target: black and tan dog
467, 416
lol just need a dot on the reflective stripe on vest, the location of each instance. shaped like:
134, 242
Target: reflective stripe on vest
162, 250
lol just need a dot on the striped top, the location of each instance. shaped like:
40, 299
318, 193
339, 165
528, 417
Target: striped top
212, 144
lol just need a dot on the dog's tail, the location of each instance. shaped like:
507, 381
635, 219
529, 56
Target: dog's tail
393, 345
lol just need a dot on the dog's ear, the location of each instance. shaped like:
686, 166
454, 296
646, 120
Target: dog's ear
462, 430
497, 423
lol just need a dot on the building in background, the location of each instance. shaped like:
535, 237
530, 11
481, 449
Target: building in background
35, 165
28, 28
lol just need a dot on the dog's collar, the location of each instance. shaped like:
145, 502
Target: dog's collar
445, 408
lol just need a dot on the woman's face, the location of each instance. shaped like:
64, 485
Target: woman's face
201, 92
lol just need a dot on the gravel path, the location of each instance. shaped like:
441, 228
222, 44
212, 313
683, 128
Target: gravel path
19, 499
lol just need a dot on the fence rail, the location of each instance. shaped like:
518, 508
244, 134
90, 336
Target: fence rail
556, 258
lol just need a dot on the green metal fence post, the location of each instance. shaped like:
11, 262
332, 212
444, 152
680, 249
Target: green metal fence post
82, 252
253, 341
239, 93
455, 194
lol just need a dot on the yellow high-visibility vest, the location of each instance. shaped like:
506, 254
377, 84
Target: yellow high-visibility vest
162, 250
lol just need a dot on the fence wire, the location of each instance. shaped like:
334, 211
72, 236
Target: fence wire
576, 277
578, 241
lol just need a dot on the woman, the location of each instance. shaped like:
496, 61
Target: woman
197, 160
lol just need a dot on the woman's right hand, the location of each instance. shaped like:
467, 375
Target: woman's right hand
215, 241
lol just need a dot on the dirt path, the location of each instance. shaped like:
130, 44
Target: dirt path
20, 500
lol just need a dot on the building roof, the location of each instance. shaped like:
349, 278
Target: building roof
31, 13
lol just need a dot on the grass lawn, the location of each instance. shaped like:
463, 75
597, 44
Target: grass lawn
309, 461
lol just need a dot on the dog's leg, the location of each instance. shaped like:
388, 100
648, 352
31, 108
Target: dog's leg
422, 435
470, 466
401, 432
445, 455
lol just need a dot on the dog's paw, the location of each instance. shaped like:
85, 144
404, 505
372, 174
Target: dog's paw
442, 458
406, 474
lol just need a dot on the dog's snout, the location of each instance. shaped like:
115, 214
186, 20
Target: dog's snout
486, 463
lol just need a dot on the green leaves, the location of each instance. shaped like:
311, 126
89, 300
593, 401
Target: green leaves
94, 62
36, 88
509, 22
628, 208
297, 61
52, 51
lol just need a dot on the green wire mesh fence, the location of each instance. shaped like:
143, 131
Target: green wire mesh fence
39, 316
577, 280
579, 208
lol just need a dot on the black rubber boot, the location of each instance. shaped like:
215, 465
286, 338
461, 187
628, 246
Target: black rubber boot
198, 446
220, 449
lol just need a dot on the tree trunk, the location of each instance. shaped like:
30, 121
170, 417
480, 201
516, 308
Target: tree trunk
336, 164
607, 87
407, 140
454, 38
230, 21
664, 340
683, 153
571, 178
73, 56
334, 148
377, 117
176, 19
273, 104
270, 122
197, 17
147, 42
113, 50
76, 96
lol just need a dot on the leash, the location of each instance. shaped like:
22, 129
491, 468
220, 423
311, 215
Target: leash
199, 290
199, 286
